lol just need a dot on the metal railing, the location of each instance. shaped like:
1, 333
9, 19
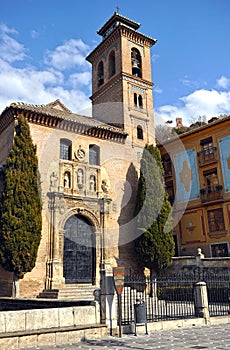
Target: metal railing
208, 155
172, 296
211, 194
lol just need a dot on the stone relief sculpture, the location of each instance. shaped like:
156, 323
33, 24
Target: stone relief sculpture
80, 178
66, 180
105, 186
53, 179
80, 154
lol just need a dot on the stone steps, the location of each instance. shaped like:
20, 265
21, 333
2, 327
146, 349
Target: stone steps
81, 292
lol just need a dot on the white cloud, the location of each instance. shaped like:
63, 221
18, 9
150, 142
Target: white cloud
158, 90
209, 103
223, 82
79, 79
68, 55
10, 49
186, 81
34, 34
40, 86
155, 57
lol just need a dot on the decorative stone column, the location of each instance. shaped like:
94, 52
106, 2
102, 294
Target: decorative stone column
108, 295
54, 267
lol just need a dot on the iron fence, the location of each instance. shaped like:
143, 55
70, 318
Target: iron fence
172, 296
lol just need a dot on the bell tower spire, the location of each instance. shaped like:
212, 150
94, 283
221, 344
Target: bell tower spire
122, 79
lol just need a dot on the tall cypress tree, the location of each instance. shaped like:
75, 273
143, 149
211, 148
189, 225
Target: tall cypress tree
20, 214
154, 245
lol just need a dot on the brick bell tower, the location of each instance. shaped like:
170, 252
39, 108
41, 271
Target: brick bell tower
122, 80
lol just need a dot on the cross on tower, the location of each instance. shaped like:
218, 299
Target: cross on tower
117, 8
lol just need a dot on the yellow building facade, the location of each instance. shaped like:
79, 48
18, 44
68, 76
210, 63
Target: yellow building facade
197, 179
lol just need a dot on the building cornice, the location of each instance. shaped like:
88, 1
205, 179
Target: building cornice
93, 128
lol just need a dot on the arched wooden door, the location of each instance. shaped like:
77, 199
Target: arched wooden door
79, 251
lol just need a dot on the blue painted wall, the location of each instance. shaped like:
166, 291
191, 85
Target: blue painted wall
189, 156
224, 150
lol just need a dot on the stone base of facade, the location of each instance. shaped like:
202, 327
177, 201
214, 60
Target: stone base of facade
55, 336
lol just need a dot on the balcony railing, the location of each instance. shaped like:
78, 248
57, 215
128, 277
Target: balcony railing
207, 156
211, 194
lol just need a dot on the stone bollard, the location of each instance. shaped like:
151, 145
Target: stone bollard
201, 301
108, 300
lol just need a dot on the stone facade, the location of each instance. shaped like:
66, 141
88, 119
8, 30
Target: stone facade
89, 167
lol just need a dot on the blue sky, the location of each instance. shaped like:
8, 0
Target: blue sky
43, 45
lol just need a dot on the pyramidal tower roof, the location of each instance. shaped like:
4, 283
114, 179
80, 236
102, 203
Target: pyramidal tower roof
114, 22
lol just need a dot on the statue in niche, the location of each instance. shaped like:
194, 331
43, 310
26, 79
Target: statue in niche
66, 180
105, 186
92, 183
80, 178
53, 179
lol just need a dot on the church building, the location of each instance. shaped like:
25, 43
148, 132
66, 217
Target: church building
89, 167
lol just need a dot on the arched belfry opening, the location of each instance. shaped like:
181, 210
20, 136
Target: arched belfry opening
112, 63
79, 256
100, 73
136, 63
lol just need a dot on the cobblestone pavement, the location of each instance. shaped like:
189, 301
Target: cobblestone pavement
205, 337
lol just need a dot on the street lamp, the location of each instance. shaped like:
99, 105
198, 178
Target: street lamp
104, 203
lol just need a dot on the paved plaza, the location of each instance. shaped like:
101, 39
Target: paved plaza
205, 337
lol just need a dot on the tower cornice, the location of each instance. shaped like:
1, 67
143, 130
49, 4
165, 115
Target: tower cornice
122, 76
120, 31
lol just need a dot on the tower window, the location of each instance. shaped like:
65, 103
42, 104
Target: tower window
94, 155
65, 149
112, 64
136, 63
135, 99
140, 132
100, 73
138, 100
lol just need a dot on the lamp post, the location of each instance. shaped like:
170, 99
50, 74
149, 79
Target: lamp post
104, 203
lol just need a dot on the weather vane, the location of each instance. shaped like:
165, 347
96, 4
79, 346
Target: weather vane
117, 8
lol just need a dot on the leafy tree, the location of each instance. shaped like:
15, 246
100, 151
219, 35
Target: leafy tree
181, 130
154, 245
163, 133
20, 214
213, 119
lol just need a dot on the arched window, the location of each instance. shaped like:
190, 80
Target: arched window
140, 101
100, 73
135, 99
65, 149
140, 132
112, 64
136, 63
94, 155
